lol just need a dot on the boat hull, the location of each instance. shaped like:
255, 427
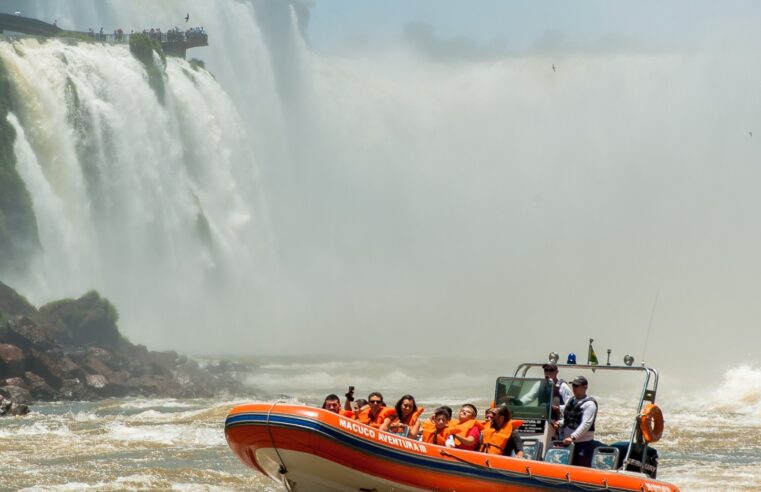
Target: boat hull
309, 449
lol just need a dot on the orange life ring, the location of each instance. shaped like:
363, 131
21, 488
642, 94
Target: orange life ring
651, 423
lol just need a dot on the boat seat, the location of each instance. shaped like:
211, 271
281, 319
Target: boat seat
532, 449
605, 458
559, 453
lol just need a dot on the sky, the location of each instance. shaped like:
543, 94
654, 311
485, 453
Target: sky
520, 24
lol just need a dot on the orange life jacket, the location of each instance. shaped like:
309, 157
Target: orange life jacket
433, 436
411, 418
455, 427
364, 416
346, 413
494, 442
383, 414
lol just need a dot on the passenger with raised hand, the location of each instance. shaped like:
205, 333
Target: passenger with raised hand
404, 419
499, 436
466, 430
436, 430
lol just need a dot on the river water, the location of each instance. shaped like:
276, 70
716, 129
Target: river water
165, 444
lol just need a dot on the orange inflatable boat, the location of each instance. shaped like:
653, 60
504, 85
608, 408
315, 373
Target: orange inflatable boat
310, 449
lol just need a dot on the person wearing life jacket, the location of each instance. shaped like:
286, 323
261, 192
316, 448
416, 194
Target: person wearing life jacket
403, 417
332, 403
372, 416
358, 405
466, 430
499, 435
436, 430
578, 426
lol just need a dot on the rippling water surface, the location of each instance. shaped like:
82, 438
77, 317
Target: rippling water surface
711, 441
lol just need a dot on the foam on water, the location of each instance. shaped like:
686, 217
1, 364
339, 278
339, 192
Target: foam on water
710, 441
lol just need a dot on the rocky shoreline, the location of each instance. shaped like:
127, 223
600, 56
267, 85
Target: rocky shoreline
72, 350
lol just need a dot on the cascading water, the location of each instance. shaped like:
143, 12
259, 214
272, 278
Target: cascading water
407, 194
155, 205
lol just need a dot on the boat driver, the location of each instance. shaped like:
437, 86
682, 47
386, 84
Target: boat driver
578, 425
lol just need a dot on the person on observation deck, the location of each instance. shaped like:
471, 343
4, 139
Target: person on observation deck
578, 425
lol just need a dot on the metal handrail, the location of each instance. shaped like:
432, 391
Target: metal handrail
651, 375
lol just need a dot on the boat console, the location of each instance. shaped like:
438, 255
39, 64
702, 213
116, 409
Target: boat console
530, 400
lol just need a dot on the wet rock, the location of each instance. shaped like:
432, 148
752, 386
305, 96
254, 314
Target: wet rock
76, 389
20, 382
97, 381
47, 367
12, 361
16, 393
13, 303
9, 407
89, 320
26, 334
72, 350
39, 389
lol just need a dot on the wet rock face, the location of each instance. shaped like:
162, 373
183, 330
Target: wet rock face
12, 361
72, 350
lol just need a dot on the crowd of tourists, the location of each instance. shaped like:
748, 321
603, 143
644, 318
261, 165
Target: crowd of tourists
573, 418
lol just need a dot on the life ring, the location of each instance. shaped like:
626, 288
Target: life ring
651, 423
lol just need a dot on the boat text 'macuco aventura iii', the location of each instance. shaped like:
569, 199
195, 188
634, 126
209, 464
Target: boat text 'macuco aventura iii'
311, 449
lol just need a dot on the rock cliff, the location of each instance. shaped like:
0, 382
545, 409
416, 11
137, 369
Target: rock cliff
72, 350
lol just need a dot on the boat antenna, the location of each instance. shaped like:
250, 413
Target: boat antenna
649, 327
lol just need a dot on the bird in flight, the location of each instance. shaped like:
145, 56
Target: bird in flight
187, 17
554, 69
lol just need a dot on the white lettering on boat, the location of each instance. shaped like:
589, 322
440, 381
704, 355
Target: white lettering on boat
401, 443
363, 430
358, 428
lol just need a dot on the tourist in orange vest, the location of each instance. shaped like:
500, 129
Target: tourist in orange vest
333, 404
436, 430
466, 431
499, 436
372, 416
404, 416
359, 405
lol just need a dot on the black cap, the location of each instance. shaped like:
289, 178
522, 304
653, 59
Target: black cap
580, 381
550, 367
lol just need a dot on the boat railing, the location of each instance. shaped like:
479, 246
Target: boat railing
649, 390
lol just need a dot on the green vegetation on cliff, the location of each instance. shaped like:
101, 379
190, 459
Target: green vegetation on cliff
142, 47
18, 225
195, 64
79, 36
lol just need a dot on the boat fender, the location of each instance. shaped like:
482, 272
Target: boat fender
651, 423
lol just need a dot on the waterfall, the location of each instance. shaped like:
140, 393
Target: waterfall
299, 201
155, 205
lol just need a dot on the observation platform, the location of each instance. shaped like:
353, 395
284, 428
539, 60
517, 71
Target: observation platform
174, 42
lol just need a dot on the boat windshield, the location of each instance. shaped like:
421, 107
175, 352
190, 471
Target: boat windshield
528, 398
